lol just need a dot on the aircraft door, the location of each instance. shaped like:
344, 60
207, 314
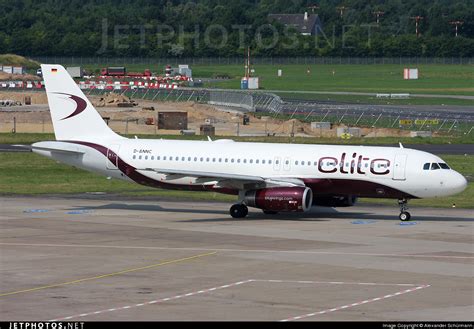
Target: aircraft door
112, 157
399, 166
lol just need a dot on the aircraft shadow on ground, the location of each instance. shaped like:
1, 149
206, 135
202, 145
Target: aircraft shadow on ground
315, 214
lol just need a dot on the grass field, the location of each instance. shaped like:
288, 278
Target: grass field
31, 174
29, 138
388, 78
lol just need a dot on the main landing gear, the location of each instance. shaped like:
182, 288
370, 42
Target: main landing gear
404, 214
239, 210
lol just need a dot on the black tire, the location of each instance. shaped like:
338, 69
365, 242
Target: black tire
404, 216
238, 211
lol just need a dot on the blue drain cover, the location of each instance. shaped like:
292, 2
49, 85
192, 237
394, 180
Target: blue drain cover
30, 211
363, 222
407, 223
79, 212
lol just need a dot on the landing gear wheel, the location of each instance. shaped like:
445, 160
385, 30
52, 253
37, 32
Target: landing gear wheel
404, 216
239, 211
270, 212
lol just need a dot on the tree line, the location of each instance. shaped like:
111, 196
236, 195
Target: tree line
159, 28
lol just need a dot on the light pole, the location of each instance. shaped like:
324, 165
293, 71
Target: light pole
456, 24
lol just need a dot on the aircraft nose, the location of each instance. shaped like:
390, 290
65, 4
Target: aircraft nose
458, 182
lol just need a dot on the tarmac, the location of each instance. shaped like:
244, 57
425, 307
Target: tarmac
102, 258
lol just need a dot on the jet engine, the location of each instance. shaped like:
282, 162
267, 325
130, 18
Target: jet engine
279, 199
335, 201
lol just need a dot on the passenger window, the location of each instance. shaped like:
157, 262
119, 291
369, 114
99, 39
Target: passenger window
426, 166
226, 160
434, 166
164, 158
245, 160
134, 157
256, 161
270, 162
444, 166
296, 162
202, 159
195, 159
152, 157
263, 162
213, 159
238, 160
146, 157
177, 158
232, 160
302, 163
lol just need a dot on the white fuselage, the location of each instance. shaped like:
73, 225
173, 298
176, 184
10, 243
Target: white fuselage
327, 169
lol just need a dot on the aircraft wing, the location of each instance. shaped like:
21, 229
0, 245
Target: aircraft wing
228, 180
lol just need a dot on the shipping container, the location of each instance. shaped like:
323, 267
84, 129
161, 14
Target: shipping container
75, 71
114, 71
18, 70
207, 130
253, 83
173, 120
8, 69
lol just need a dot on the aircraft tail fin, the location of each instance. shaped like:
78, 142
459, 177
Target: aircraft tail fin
73, 115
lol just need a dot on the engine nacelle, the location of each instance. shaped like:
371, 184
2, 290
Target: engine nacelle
280, 199
335, 201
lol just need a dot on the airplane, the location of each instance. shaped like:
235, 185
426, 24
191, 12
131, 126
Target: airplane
273, 177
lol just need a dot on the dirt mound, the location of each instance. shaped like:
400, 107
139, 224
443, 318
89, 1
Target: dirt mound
18, 77
36, 97
15, 60
115, 100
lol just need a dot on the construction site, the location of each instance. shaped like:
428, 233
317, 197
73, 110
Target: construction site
142, 116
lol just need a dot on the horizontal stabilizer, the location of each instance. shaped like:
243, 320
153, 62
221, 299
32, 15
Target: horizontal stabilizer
56, 147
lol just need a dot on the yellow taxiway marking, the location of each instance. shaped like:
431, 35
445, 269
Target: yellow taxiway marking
108, 275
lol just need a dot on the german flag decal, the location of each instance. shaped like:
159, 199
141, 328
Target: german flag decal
54, 70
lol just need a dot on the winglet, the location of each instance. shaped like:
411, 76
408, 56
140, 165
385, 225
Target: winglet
401, 146
209, 138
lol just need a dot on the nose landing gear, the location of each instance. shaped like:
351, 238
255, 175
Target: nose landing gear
404, 214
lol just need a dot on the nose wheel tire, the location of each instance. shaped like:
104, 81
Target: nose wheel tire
404, 216
239, 211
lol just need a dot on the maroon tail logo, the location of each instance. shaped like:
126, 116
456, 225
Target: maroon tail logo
81, 105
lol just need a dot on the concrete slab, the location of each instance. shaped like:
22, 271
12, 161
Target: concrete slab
97, 258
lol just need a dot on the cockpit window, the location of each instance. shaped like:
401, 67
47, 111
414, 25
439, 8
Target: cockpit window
444, 166
426, 166
434, 166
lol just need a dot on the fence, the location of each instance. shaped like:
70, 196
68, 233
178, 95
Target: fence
458, 122
231, 99
108, 61
454, 121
